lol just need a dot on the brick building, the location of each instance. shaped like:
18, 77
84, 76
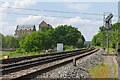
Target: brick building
27, 29
24, 29
43, 24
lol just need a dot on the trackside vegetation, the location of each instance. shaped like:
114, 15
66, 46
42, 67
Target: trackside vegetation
100, 71
114, 37
46, 38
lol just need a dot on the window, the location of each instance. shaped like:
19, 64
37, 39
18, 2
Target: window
18, 32
21, 32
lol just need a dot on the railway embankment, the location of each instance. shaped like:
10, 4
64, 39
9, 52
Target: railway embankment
81, 70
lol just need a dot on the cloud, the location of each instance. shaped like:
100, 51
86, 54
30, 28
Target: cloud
87, 27
29, 19
17, 4
6, 29
5, 4
79, 6
23, 3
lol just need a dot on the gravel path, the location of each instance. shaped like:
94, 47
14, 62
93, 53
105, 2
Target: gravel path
109, 61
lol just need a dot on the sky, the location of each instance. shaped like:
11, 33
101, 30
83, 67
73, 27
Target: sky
85, 15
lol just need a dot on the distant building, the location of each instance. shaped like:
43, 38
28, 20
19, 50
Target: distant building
119, 11
27, 29
24, 29
43, 24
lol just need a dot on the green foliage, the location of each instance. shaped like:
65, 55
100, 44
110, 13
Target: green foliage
67, 35
102, 64
50, 43
68, 47
33, 42
1, 36
114, 37
80, 43
10, 41
100, 38
15, 54
46, 38
20, 50
87, 45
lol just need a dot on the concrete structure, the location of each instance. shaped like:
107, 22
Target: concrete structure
59, 47
43, 24
119, 11
24, 29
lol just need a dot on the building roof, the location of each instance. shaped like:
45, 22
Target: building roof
44, 24
25, 27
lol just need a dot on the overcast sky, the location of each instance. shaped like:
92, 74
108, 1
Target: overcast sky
86, 16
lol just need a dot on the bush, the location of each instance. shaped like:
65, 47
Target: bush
19, 50
67, 47
102, 64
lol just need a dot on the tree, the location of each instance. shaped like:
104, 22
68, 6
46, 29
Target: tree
10, 42
80, 42
48, 38
20, 38
36, 41
1, 39
67, 35
114, 36
50, 43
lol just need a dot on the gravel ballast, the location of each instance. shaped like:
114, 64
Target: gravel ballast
78, 71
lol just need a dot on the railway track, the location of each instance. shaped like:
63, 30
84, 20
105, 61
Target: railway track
27, 58
20, 70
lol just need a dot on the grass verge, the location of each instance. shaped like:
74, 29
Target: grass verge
14, 54
70, 49
114, 68
100, 71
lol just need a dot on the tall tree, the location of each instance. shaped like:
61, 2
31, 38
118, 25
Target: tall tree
67, 35
114, 36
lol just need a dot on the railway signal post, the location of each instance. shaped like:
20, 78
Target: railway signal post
107, 26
